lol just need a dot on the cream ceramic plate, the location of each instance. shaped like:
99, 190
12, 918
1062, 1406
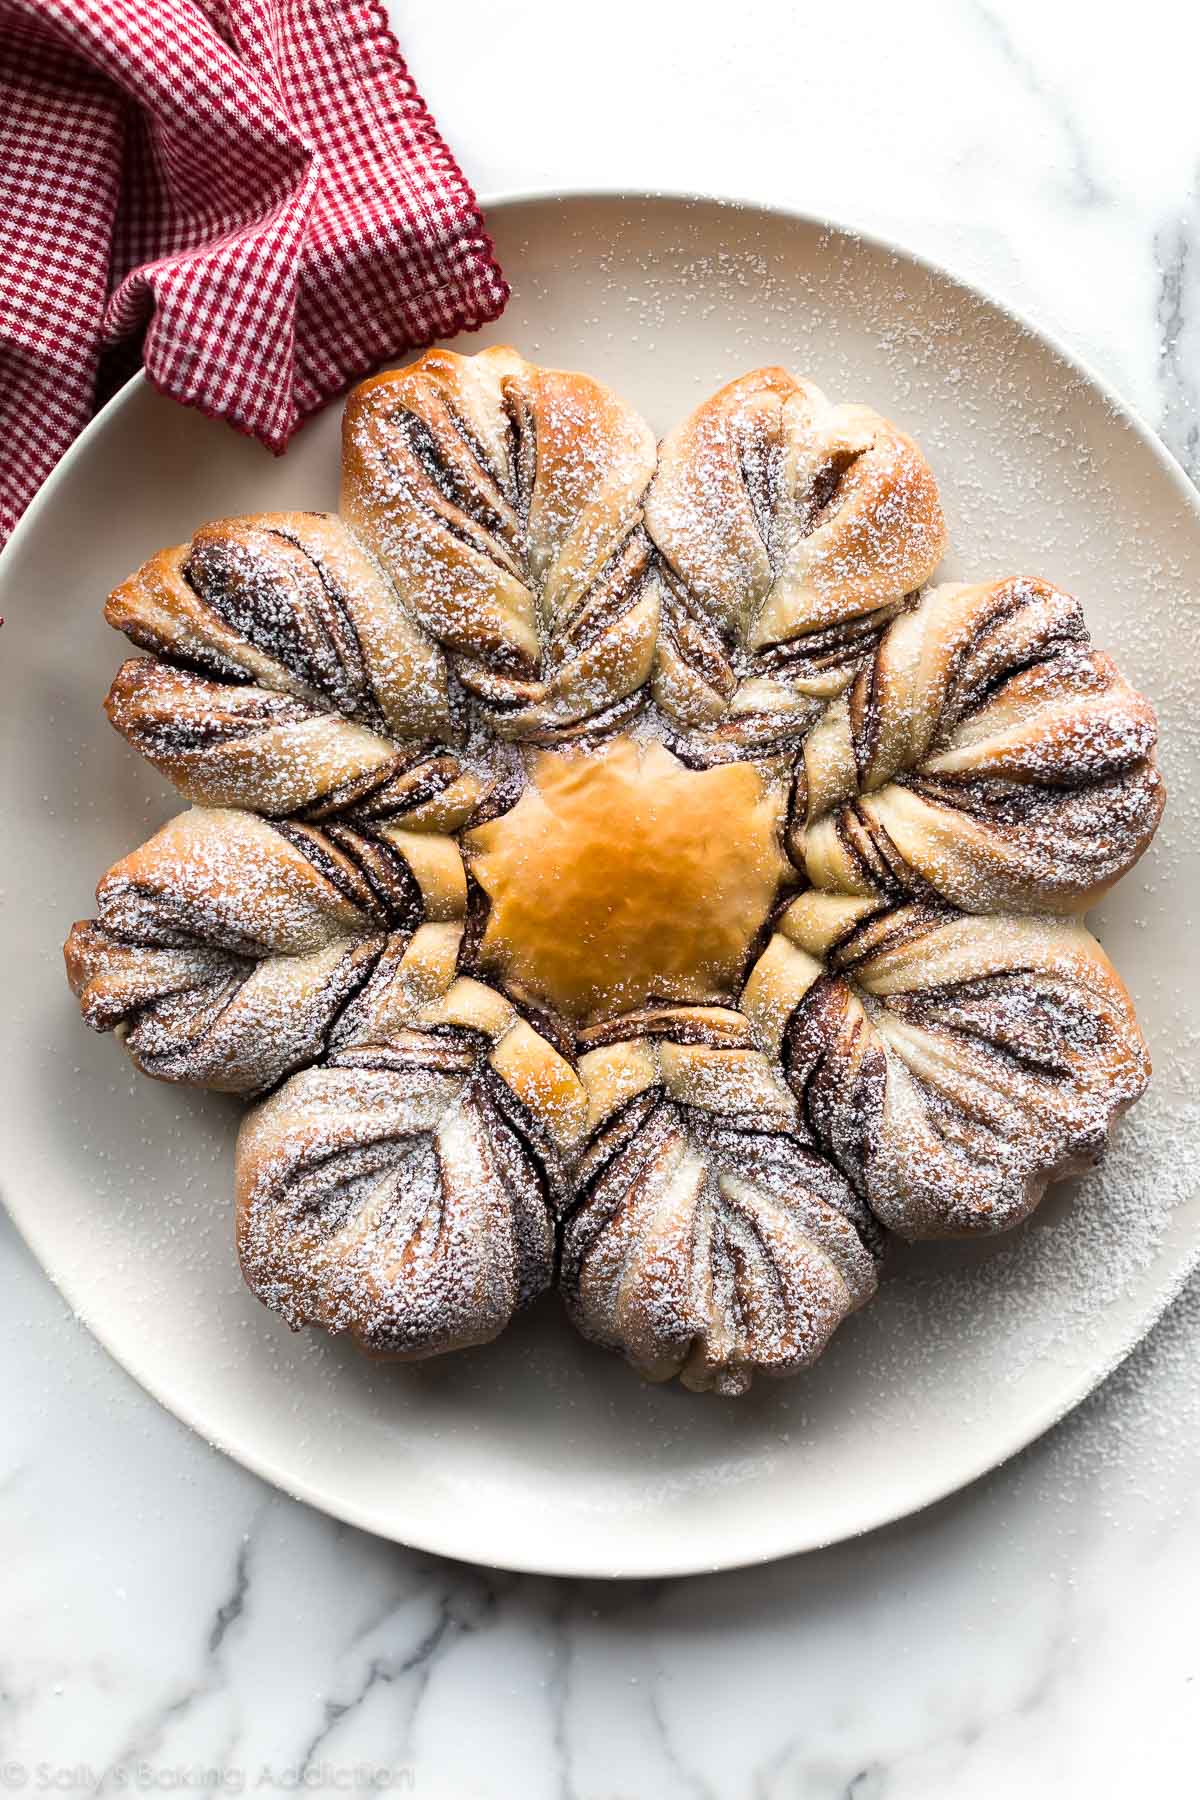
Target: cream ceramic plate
540, 1452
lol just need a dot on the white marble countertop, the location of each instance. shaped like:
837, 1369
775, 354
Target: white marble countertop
171, 1624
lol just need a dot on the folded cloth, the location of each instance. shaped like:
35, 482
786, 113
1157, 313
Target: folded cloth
254, 184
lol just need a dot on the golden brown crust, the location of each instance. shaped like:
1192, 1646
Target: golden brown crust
622, 875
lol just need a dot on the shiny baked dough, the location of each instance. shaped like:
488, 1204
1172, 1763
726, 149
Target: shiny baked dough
620, 875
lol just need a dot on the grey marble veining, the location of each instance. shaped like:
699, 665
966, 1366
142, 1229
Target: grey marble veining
167, 1611
1177, 256
169, 1623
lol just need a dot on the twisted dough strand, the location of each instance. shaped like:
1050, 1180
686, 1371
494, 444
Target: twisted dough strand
707, 1240
226, 949
286, 675
237, 882
950, 1065
292, 602
984, 755
506, 503
224, 744
405, 1191
791, 530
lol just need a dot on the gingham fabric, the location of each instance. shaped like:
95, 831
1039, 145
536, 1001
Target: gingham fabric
255, 184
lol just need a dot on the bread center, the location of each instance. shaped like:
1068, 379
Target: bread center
622, 876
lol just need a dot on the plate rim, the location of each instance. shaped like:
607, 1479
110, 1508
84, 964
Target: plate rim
929, 1493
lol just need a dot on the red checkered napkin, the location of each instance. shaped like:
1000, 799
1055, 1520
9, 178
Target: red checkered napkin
255, 184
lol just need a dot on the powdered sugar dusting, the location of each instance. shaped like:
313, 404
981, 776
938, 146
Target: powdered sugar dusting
524, 573
1053, 1283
